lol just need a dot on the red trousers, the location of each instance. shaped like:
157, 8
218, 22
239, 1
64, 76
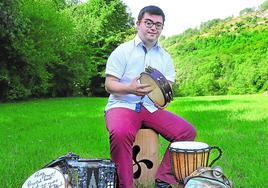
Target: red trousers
123, 125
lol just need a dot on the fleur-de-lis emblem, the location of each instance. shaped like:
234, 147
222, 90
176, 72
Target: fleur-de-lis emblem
147, 162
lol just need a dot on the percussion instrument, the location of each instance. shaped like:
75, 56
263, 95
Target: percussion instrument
187, 156
145, 155
71, 171
46, 177
207, 177
162, 92
95, 173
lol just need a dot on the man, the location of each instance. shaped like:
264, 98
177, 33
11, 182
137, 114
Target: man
128, 106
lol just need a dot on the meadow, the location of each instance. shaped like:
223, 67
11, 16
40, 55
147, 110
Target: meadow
33, 133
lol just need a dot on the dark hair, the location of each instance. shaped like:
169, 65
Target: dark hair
154, 10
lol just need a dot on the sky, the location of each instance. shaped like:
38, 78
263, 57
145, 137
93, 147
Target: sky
184, 14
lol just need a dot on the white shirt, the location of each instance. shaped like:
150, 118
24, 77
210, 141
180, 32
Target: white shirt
128, 61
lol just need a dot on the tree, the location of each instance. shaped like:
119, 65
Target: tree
11, 63
225, 57
264, 5
246, 11
101, 26
209, 24
58, 47
58, 60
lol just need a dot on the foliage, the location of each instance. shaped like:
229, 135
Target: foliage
52, 48
246, 11
264, 5
58, 47
101, 26
10, 63
222, 57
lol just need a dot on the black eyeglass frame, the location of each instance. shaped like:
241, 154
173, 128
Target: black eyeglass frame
149, 24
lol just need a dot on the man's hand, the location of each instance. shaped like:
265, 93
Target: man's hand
113, 85
139, 89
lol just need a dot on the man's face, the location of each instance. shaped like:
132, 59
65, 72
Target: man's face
150, 27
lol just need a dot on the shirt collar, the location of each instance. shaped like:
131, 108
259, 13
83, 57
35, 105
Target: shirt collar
138, 41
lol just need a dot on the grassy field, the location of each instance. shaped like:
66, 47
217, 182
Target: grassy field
35, 132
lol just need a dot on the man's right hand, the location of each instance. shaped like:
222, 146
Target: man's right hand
114, 86
139, 89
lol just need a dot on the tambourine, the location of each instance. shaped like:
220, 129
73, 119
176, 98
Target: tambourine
162, 92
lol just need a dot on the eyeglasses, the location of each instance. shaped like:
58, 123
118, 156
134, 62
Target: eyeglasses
149, 24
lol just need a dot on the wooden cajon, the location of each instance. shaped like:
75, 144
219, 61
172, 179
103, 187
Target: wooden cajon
145, 157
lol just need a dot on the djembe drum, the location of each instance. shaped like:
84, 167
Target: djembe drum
187, 156
161, 93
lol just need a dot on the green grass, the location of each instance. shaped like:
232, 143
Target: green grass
35, 132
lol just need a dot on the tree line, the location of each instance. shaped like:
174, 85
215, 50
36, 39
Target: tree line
51, 48
223, 56
59, 48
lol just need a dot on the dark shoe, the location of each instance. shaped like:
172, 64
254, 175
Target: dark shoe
161, 184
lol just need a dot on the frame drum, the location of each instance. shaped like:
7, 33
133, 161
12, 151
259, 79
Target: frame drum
162, 92
187, 156
46, 177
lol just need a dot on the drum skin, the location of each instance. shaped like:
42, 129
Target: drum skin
46, 177
161, 93
156, 95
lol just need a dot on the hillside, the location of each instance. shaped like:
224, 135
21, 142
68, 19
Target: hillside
228, 56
